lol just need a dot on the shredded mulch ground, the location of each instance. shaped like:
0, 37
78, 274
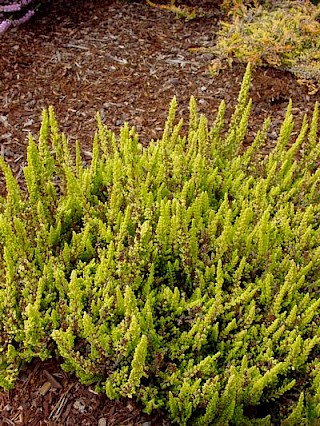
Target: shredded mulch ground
127, 61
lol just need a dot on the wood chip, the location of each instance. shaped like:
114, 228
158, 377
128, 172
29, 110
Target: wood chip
45, 388
52, 380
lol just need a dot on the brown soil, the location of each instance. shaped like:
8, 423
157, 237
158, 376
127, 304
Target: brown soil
126, 61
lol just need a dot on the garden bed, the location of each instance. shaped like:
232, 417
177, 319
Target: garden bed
126, 61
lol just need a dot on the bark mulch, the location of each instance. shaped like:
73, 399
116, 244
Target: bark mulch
127, 61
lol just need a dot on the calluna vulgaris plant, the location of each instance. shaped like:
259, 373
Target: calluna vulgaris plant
14, 13
281, 34
185, 274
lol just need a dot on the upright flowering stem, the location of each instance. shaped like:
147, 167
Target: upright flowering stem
9, 10
4, 25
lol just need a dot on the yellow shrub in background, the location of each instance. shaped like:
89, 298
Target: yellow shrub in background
284, 35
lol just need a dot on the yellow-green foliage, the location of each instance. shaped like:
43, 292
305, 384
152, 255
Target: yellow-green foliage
185, 274
282, 34
239, 6
183, 12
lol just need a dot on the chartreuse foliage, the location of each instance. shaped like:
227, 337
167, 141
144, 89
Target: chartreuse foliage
282, 34
185, 274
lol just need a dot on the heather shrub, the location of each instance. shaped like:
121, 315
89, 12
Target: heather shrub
15, 12
184, 274
284, 35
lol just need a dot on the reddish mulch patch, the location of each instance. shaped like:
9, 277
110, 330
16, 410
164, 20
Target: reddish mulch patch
126, 61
